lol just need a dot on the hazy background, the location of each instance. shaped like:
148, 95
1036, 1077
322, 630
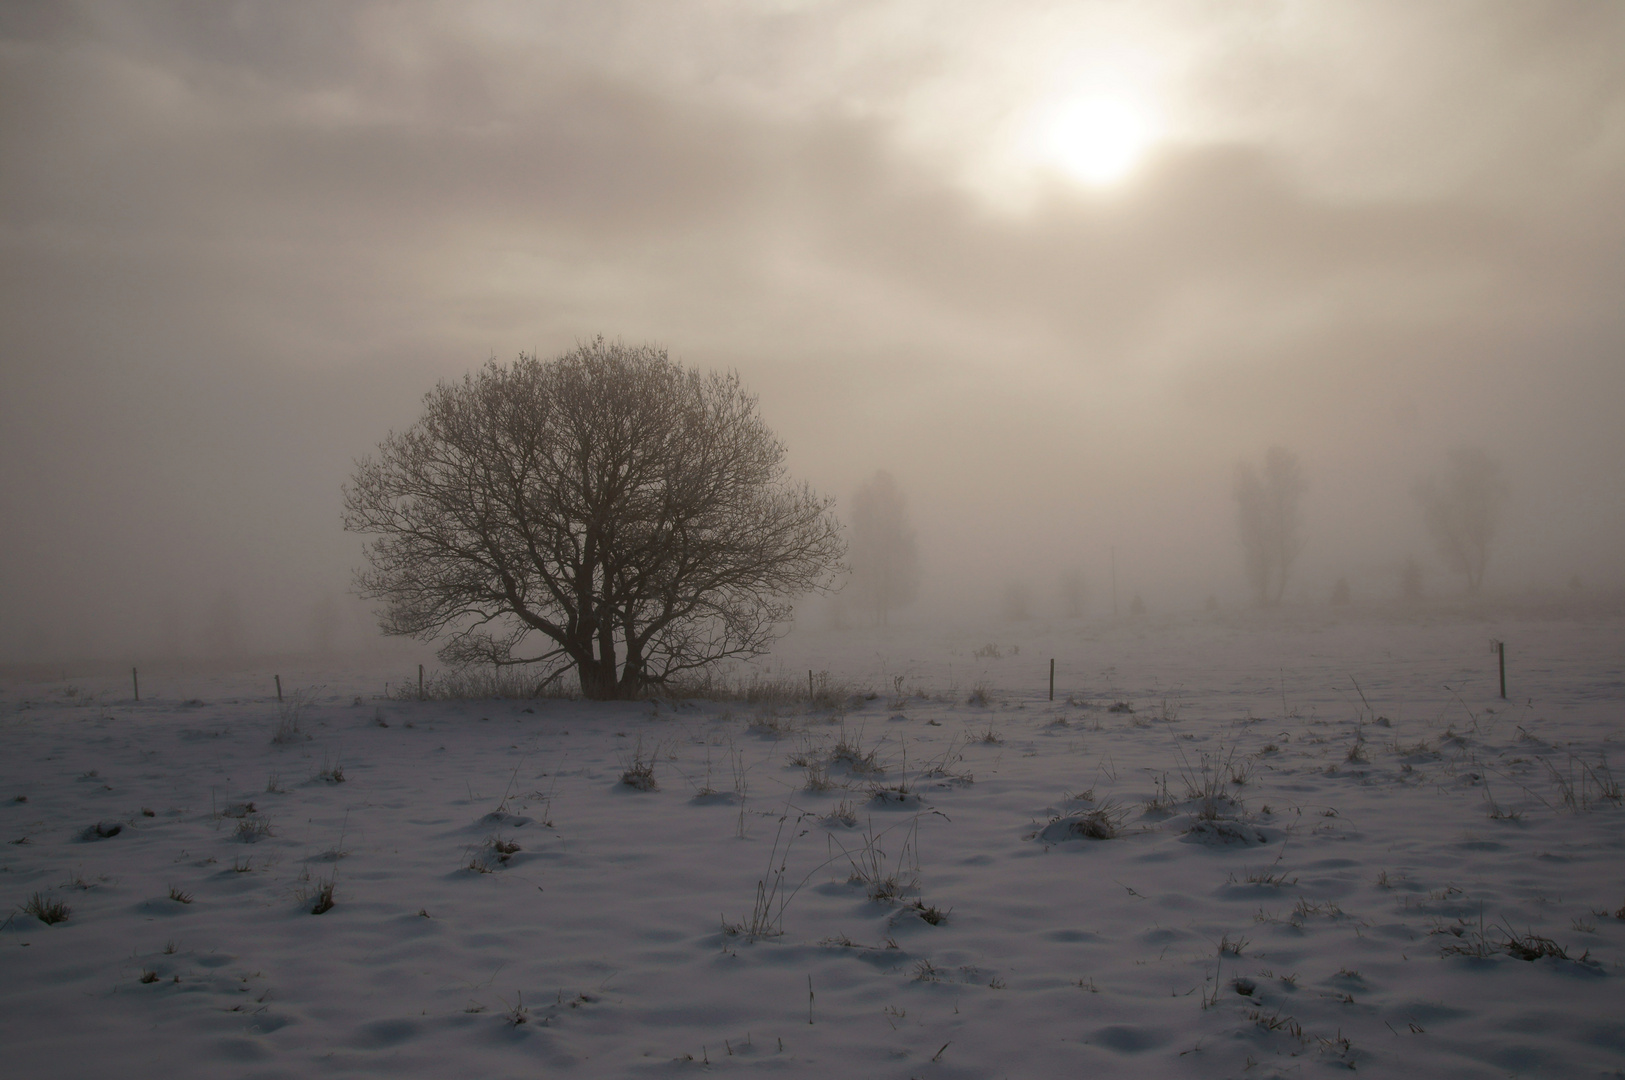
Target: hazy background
238, 242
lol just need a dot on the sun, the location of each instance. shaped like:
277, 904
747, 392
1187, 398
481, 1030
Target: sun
1097, 140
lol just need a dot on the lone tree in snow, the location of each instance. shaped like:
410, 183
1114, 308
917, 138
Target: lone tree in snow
885, 559
1270, 521
608, 511
1463, 511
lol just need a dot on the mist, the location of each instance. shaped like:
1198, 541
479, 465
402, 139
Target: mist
242, 241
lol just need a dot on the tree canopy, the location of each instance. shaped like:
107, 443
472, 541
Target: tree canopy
608, 511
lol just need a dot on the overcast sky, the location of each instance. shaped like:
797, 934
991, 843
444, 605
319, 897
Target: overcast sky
1056, 267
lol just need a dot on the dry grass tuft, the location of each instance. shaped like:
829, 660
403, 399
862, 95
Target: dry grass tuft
252, 830
883, 879
640, 771
818, 777
926, 971
770, 724
49, 912
481, 682
288, 716
1103, 822
765, 692
1160, 801
1583, 785
845, 814
930, 913
1533, 947
849, 751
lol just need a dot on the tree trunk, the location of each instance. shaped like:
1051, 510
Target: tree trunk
597, 682
632, 671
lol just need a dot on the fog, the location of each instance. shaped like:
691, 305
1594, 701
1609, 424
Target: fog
240, 241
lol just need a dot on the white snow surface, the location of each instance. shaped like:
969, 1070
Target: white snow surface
1380, 833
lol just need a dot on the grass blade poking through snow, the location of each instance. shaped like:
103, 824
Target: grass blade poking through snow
772, 895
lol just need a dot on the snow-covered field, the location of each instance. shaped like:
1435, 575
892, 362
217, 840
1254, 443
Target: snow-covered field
1319, 843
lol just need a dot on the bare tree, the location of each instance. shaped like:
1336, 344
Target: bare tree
1410, 581
1074, 594
1340, 593
1463, 511
1018, 601
607, 511
223, 635
1270, 521
885, 559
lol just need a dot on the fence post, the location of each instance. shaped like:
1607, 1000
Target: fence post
420, 682
1052, 678
1501, 655
135, 678
279, 688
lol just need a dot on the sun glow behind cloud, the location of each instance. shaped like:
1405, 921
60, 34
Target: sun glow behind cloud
1080, 110
1097, 140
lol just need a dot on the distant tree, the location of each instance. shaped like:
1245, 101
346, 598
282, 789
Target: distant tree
1340, 593
1074, 594
631, 515
170, 631
1410, 581
1018, 601
324, 622
1270, 523
884, 557
1463, 511
223, 633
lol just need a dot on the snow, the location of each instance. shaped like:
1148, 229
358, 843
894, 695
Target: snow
1104, 897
